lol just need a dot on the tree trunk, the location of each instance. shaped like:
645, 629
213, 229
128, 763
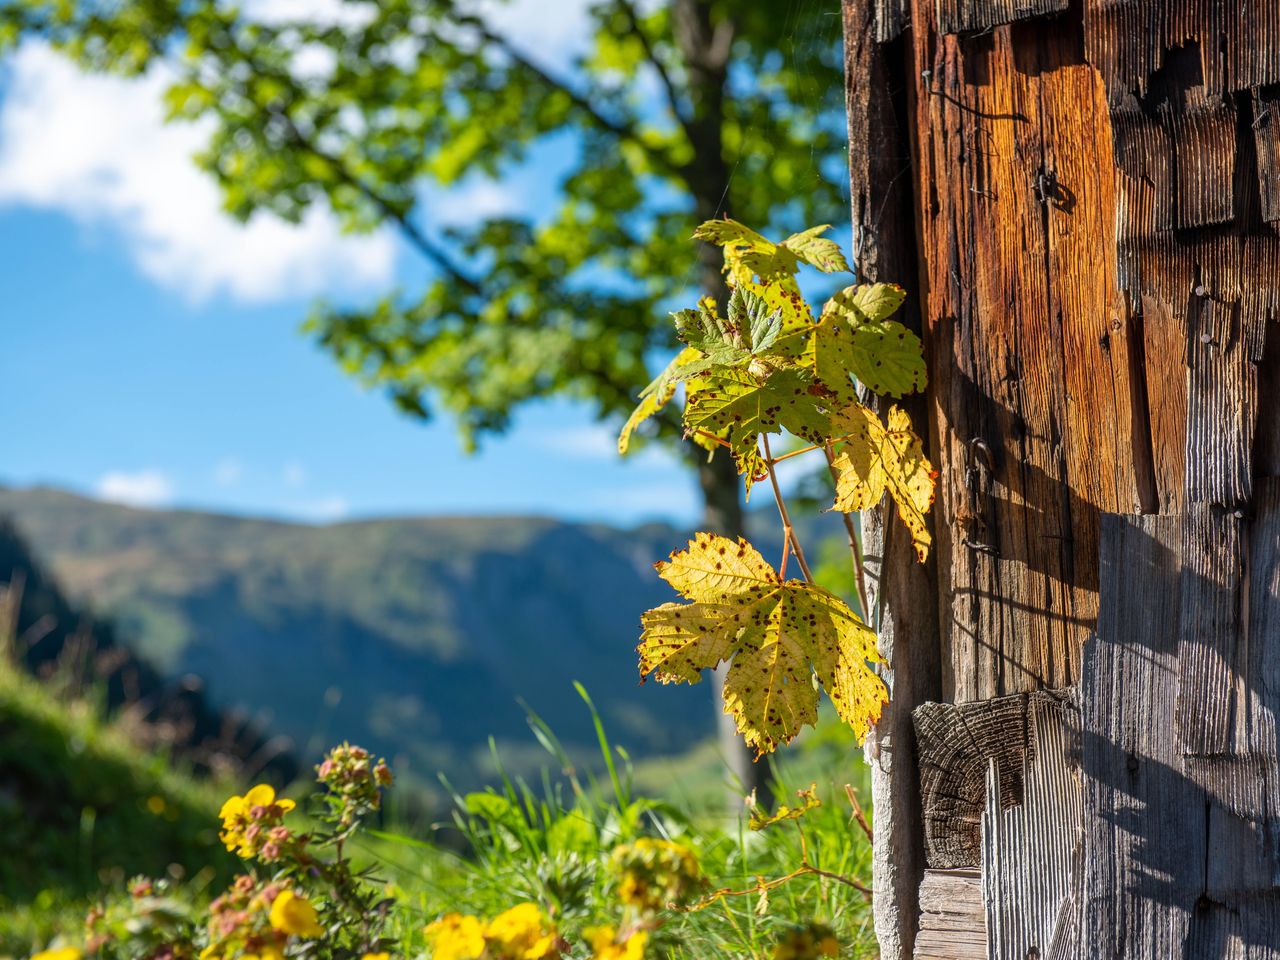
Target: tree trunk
1093, 191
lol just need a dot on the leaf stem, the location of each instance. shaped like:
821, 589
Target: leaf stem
713, 438
787, 529
796, 453
855, 542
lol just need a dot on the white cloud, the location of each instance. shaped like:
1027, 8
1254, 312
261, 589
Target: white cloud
145, 488
228, 472
323, 510
97, 149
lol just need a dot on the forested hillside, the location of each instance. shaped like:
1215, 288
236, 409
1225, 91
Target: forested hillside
416, 636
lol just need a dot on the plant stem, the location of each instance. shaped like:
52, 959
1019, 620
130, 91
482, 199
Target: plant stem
713, 438
787, 529
796, 453
855, 543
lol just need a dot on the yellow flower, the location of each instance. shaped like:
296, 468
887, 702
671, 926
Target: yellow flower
58, 953
456, 936
376, 956
241, 831
522, 933
294, 915
604, 945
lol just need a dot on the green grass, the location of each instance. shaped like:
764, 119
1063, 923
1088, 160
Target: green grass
550, 843
83, 807
547, 842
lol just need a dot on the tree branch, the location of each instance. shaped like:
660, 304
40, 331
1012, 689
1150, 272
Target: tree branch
673, 95
623, 131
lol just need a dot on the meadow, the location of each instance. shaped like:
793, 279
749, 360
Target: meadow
646, 852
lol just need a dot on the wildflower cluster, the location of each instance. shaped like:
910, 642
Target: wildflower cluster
522, 933
252, 827
656, 873
354, 782
254, 921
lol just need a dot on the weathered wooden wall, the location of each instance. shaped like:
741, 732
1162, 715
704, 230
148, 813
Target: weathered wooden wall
1094, 196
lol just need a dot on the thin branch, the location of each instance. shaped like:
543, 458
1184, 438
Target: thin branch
668, 84
787, 528
763, 886
857, 812
408, 229
623, 131
855, 542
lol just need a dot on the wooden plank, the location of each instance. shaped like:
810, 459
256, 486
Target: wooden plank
1028, 344
952, 921
1222, 404
1209, 711
884, 250
1144, 838
1237, 44
1027, 850
1266, 138
971, 16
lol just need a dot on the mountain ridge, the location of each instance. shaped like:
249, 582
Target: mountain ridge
419, 636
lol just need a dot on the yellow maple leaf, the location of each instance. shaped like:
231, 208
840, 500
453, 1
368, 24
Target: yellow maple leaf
879, 458
656, 395
776, 635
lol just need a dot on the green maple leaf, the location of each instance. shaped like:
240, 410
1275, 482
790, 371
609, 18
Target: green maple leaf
688, 362
776, 636
738, 406
854, 337
817, 251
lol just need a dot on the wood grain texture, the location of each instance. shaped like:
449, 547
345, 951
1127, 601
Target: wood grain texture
1027, 849
1266, 138
1029, 339
952, 920
1094, 194
884, 250
1138, 894
970, 16
1237, 44
959, 747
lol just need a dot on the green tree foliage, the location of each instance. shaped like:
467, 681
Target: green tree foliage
675, 112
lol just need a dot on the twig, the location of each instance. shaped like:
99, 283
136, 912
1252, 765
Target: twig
787, 529
763, 886
855, 542
796, 453
857, 811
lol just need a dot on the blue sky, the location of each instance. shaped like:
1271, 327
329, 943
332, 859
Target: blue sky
151, 347
151, 351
